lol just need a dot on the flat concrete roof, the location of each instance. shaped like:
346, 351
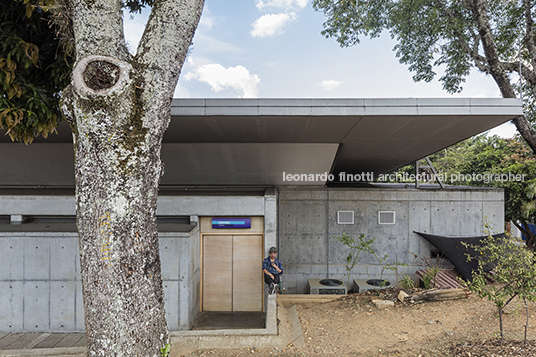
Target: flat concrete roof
226, 142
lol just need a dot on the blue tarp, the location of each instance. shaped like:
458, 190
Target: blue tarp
532, 228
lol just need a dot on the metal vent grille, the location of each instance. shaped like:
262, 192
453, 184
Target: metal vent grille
386, 217
345, 217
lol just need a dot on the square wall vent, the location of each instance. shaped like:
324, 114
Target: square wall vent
386, 217
345, 217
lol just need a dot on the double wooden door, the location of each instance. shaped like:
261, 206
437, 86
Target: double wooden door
232, 273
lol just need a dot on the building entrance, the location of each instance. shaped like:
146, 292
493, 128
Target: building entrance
232, 272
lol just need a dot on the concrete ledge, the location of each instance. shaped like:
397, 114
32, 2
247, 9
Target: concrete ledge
184, 342
292, 299
270, 329
296, 334
282, 328
64, 352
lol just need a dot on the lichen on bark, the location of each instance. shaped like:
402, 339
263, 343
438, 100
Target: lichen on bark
119, 108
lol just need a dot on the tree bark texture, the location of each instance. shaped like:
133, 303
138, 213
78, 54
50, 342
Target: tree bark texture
119, 107
497, 69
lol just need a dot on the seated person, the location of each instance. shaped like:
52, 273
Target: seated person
272, 269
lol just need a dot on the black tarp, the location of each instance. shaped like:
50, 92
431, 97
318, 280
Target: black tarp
453, 250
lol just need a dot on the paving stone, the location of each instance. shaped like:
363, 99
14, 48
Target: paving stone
71, 340
24, 340
51, 341
9, 339
82, 342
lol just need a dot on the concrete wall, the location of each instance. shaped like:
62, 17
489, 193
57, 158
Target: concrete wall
308, 222
40, 284
41, 288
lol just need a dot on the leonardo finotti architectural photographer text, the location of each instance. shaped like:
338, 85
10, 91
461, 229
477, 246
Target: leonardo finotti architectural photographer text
403, 177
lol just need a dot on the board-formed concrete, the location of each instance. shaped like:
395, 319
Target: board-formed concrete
41, 288
39, 270
308, 223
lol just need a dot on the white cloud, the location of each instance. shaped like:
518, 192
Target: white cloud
330, 84
271, 24
220, 78
282, 4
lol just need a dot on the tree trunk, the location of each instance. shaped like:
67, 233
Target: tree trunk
530, 237
498, 72
117, 170
119, 107
501, 325
527, 321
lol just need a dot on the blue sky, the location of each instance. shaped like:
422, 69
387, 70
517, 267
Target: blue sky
274, 49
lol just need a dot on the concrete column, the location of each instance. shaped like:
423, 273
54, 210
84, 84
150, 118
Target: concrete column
270, 219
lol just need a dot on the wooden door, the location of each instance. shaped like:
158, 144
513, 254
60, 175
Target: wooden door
217, 273
247, 273
232, 273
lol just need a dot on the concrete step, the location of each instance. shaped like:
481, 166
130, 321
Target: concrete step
282, 329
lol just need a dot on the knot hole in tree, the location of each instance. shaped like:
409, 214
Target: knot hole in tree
101, 74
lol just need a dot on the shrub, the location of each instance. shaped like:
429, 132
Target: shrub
514, 268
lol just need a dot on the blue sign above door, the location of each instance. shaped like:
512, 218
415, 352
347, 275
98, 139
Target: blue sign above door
231, 222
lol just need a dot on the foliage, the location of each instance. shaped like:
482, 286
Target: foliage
364, 246
385, 266
164, 351
33, 70
514, 269
484, 161
451, 37
429, 33
356, 247
36, 58
406, 282
429, 276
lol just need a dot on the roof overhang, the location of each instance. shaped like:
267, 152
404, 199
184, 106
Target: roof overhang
226, 142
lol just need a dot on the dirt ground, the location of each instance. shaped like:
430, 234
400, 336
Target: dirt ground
353, 326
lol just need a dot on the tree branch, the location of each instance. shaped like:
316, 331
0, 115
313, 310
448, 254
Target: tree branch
98, 29
480, 14
165, 42
526, 130
529, 34
480, 61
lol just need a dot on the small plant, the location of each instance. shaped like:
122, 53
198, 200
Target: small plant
386, 266
428, 278
406, 282
514, 269
361, 245
164, 351
356, 247
430, 273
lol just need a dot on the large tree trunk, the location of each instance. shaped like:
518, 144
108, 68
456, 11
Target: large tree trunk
119, 108
118, 169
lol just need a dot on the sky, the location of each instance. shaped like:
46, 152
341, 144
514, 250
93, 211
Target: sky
274, 49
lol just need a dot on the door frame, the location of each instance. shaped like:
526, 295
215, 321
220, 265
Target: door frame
201, 272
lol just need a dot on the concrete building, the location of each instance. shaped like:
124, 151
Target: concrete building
295, 173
